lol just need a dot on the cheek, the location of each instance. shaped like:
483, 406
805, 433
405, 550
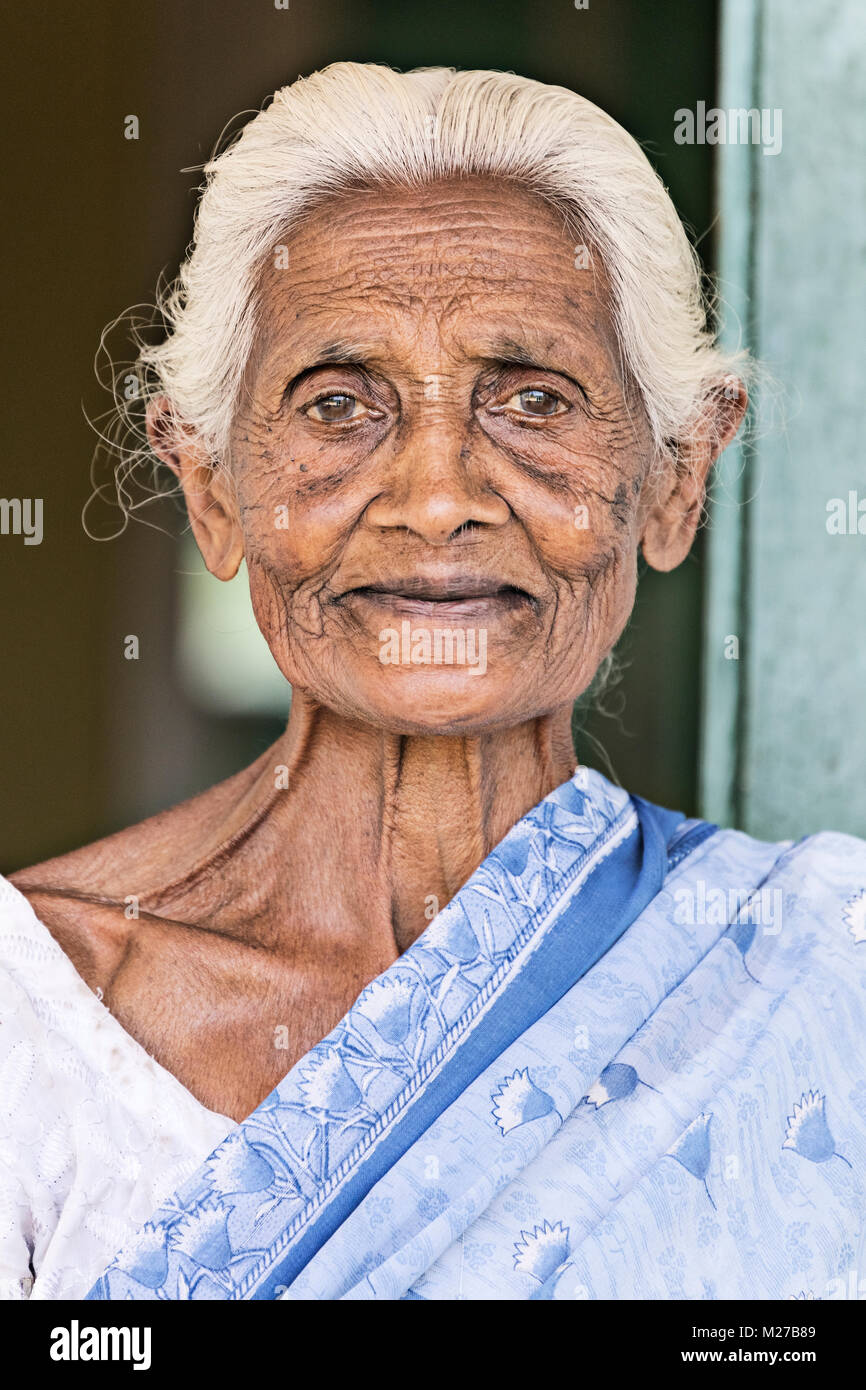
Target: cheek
296, 517
577, 497
284, 566
591, 557
586, 546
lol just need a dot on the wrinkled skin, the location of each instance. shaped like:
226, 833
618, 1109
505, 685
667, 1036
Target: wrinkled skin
435, 426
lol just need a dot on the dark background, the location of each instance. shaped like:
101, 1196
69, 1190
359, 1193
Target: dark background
88, 740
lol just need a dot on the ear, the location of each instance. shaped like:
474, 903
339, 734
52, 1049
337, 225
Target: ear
675, 508
210, 501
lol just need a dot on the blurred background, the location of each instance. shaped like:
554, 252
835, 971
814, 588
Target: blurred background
91, 741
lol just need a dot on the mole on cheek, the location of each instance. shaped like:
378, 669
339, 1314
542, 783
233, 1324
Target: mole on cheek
619, 506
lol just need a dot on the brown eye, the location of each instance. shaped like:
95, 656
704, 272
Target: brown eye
535, 401
335, 408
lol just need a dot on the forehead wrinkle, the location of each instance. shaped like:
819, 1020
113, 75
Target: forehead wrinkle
429, 292
397, 278
363, 334
437, 227
393, 235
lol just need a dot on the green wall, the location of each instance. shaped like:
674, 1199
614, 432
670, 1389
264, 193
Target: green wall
783, 750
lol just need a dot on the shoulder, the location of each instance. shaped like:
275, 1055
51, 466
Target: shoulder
93, 1132
39, 1018
829, 870
814, 886
140, 858
92, 899
830, 858
827, 862
40, 994
97, 904
85, 904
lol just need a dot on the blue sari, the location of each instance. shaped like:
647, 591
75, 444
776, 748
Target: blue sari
570, 1086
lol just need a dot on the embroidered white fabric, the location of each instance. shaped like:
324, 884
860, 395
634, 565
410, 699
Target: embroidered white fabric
94, 1133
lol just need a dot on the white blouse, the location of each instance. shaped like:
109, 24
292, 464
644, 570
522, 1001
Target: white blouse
94, 1133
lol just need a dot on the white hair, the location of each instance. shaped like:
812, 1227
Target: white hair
362, 124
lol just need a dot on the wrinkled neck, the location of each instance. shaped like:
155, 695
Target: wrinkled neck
349, 839
420, 811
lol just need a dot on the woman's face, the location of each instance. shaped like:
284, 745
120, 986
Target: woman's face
436, 434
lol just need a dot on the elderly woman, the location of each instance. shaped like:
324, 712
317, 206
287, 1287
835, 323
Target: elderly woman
411, 1008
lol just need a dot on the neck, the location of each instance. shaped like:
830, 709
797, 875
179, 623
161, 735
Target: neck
416, 813
368, 833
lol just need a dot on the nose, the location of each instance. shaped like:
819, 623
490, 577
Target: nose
437, 485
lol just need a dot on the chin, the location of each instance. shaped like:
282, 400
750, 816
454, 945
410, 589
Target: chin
425, 702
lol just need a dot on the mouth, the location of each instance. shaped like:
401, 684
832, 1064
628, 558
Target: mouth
444, 598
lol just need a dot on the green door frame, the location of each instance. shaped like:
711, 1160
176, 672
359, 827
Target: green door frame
783, 745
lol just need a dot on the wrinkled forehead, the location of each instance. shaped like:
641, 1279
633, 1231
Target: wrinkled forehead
450, 266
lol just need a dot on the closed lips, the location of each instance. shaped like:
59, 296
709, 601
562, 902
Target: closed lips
454, 589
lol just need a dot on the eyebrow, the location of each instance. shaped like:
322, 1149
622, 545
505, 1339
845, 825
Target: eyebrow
335, 354
342, 351
508, 350
504, 350
512, 353
542, 356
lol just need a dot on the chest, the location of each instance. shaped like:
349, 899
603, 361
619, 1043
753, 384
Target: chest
229, 1022
227, 1016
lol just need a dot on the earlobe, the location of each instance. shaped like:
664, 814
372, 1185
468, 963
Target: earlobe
219, 538
208, 494
671, 524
